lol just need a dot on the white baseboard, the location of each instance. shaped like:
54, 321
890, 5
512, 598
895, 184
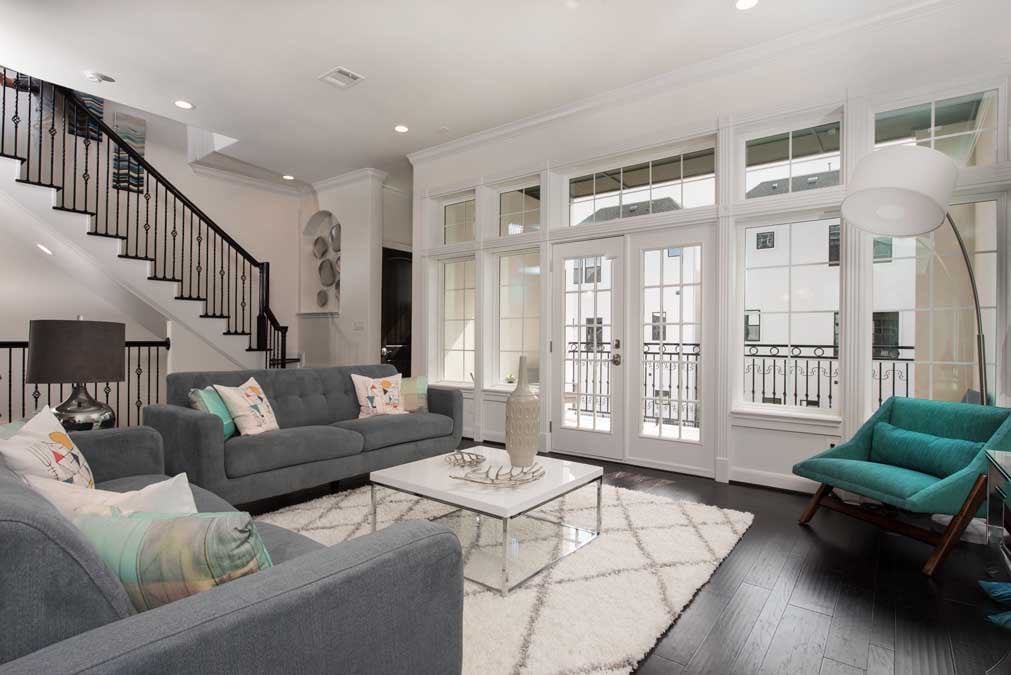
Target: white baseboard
782, 481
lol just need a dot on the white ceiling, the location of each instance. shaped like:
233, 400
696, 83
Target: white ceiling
466, 65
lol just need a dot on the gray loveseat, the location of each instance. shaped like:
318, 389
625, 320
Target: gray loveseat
390, 602
321, 439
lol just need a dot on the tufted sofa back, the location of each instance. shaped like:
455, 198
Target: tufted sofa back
300, 396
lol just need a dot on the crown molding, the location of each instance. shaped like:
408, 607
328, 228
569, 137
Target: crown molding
397, 191
794, 43
350, 177
243, 179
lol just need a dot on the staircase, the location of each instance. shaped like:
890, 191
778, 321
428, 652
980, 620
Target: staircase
171, 254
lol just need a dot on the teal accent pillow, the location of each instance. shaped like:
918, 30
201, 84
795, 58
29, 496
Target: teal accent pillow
998, 590
8, 430
162, 557
208, 400
1003, 619
934, 455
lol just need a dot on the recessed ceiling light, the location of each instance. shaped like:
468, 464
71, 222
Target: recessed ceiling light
400, 129
745, 4
185, 105
95, 76
572, 4
44, 249
287, 177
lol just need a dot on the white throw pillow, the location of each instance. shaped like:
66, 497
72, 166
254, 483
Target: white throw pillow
378, 396
249, 407
43, 448
169, 496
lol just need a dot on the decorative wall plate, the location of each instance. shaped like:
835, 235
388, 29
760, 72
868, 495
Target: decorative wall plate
327, 272
335, 236
319, 247
322, 297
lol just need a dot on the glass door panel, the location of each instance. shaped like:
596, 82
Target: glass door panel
587, 356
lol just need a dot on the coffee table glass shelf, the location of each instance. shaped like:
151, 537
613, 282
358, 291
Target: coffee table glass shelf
998, 509
507, 532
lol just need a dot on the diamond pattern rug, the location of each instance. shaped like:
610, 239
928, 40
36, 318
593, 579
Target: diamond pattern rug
599, 610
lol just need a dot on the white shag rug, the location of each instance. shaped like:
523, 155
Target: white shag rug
599, 610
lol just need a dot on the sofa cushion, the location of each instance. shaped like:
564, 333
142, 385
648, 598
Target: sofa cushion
245, 455
934, 455
385, 430
890, 484
970, 422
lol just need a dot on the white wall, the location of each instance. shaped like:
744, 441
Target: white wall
356, 200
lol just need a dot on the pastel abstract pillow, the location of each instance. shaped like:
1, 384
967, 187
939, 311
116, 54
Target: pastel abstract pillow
414, 394
249, 407
43, 448
378, 396
208, 400
168, 496
9, 429
161, 558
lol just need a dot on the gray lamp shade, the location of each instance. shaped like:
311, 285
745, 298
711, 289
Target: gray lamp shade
75, 352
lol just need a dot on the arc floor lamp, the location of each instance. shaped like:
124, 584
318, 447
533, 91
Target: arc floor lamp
904, 191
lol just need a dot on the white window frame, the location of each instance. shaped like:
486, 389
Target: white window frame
513, 187
451, 201
790, 130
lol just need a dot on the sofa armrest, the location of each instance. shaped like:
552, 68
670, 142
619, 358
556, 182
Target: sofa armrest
947, 495
391, 602
449, 402
194, 443
115, 453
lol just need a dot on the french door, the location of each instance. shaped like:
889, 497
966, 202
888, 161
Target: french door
587, 345
631, 329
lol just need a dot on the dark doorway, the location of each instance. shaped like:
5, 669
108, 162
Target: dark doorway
396, 329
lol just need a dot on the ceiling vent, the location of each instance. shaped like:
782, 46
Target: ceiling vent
341, 77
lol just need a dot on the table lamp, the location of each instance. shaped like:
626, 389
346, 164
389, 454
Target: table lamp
77, 352
904, 191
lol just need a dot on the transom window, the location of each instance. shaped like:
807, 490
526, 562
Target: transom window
964, 127
519, 211
458, 222
519, 315
459, 288
679, 182
882, 246
805, 159
792, 295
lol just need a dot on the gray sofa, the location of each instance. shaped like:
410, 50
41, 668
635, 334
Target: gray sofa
321, 439
390, 602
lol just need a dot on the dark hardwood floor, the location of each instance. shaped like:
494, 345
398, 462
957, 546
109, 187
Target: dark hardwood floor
837, 597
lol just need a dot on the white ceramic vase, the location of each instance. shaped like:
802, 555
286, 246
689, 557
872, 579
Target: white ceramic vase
523, 412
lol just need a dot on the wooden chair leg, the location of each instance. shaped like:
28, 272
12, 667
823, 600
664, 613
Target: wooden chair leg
957, 526
812, 506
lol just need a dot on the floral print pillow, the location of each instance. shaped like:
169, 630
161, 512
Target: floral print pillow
378, 396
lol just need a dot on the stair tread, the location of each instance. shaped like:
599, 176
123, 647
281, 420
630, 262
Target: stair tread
157, 278
135, 257
193, 298
108, 235
68, 209
237, 332
215, 316
28, 181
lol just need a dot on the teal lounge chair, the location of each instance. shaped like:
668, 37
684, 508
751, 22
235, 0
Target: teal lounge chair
916, 455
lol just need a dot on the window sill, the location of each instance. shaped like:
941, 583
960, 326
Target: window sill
465, 386
787, 415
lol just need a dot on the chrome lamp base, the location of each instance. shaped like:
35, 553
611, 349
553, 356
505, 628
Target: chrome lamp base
81, 412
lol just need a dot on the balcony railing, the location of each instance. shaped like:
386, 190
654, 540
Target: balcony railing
777, 374
143, 383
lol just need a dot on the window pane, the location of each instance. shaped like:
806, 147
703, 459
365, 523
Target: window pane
767, 166
965, 113
458, 320
906, 125
924, 324
458, 222
519, 309
792, 300
699, 179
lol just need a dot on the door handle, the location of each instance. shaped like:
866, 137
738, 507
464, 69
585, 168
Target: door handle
616, 359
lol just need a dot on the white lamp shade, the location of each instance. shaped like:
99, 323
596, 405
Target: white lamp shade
901, 191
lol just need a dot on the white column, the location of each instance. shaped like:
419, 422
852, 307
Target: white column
856, 283
726, 344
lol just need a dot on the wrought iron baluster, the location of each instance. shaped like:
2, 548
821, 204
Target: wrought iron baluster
175, 234
63, 154
3, 114
16, 119
147, 217
52, 135
189, 267
77, 132
108, 185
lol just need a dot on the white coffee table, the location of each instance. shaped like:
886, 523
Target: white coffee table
431, 479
